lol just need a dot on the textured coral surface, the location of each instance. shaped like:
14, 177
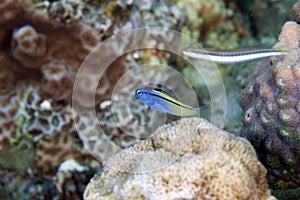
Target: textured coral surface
39, 57
271, 111
43, 44
189, 159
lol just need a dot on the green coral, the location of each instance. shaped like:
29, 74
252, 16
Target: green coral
290, 194
213, 24
18, 158
38, 116
23, 117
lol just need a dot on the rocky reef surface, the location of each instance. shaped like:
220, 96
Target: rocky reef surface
270, 102
42, 46
188, 159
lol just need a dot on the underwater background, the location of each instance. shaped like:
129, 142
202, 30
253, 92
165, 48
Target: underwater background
65, 99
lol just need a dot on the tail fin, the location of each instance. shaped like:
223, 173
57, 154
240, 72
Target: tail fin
286, 51
204, 112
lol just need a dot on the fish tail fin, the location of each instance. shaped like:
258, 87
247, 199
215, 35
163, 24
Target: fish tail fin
286, 51
204, 112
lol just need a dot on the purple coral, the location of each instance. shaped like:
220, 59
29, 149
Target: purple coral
272, 111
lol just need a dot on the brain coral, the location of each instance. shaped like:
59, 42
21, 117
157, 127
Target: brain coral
33, 41
28, 45
57, 80
8, 109
46, 42
49, 125
213, 23
272, 111
192, 159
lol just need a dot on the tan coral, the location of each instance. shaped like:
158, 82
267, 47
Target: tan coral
28, 46
205, 15
8, 109
25, 114
296, 11
57, 81
70, 179
66, 44
7, 75
51, 152
39, 43
96, 81
12, 10
189, 159
288, 36
88, 38
205, 20
87, 97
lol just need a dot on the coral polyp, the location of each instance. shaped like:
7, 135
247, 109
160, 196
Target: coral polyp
271, 105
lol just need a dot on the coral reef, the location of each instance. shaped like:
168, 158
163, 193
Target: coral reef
8, 110
269, 12
55, 75
69, 183
71, 179
123, 127
213, 24
38, 65
13, 158
296, 11
28, 46
51, 152
270, 102
104, 87
42, 46
54, 56
83, 39
66, 11
118, 122
189, 159
288, 194
40, 123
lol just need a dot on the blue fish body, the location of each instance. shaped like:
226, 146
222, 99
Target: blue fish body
164, 101
152, 99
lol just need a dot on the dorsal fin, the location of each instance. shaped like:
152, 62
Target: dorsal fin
160, 88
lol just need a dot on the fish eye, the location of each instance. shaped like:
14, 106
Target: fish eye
138, 92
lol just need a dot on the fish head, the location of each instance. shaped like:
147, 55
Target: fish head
144, 96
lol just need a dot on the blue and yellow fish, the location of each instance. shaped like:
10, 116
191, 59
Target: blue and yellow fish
162, 99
